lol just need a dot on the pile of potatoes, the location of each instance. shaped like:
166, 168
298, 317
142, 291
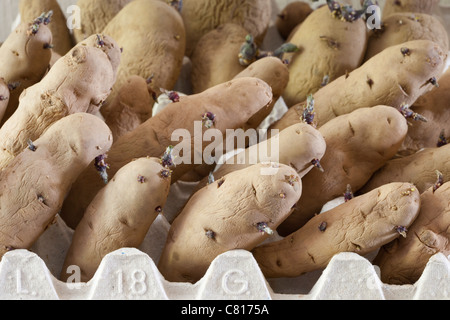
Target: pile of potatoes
367, 123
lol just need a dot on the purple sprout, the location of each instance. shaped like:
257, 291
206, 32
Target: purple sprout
401, 230
263, 227
443, 140
439, 181
31, 145
208, 119
141, 179
322, 226
167, 158
165, 173
316, 163
348, 195
409, 114
101, 166
308, 112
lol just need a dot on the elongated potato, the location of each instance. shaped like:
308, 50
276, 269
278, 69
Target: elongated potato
34, 185
361, 225
202, 16
95, 15
119, 216
62, 39
433, 105
358, 144
230, 105
403, 27
25, 57
132, 106
297, 146
247, 206
78, 82
341, 45
276, 74
293, 14
396, 76
418, 168
4, 97
215, 57
153, 44
419, 6
403, 260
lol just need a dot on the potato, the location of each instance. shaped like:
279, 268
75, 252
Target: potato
361, 225
341, 45
4, 97
291, 16
403, 260
403, 27
418, 6
433, 105
238, 212
358, 144
276, 74
297, 146
153, 44
34, 185
231, 104
132, 106
398, 75
215, 57
95, 15
119, 216
62, 39
202, 16
79, 82
418, 168
25, 57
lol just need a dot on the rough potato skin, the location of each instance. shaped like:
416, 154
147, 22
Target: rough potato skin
119, 216
358, 144
78, 82
339, 53
153, 44
202, 16
34, 185
418, 168
233, 103
230, 211
389, 78
361, 225
276, 74
4, 97
403, 27
297, 146
291, 16
215, 57
62, 39
25, 60
131, 107
419, 6
95, 15
403, 260
434, 106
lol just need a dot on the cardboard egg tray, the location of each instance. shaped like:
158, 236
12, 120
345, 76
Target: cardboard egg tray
132, 273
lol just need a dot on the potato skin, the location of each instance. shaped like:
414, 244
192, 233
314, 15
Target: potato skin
224, 216
418, 168
33, 186
403, 27
215, 57
276, 74
291, 16
202, 16
119, 216
95, 15
233, 103
389, 78
361, 225
358, 144
433, 105
403, 260
25, 60
154, 44
131, 107
78, 82
419, 6
62, 39
341, 45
